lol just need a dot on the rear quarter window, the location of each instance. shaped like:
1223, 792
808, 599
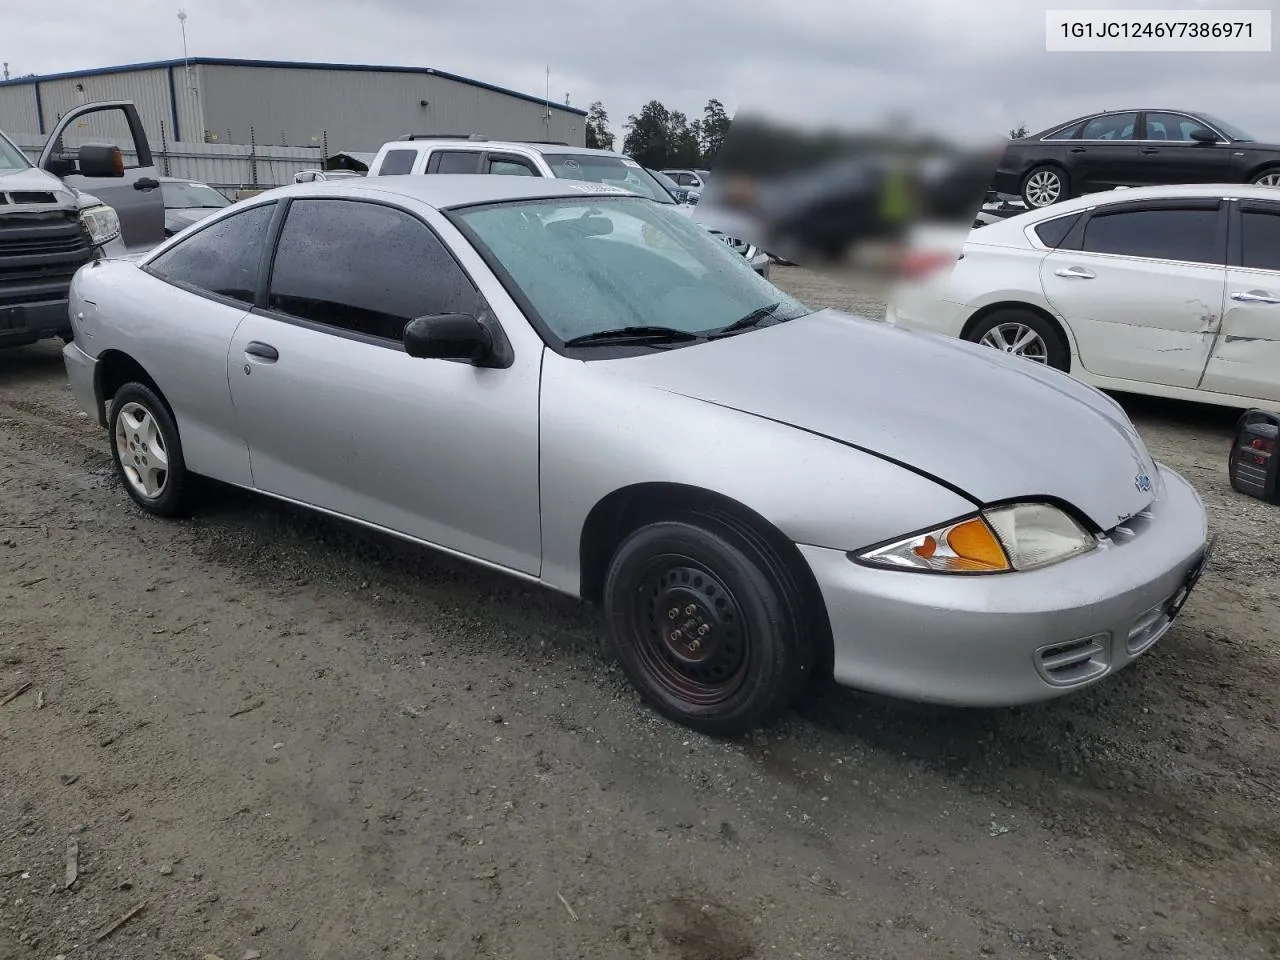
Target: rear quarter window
397, 162
1053, 232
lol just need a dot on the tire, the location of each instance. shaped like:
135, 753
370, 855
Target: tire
708, 624
1270, 177
1048, 184
1005, 328
142, 421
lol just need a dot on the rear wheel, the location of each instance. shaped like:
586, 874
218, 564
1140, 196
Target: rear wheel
708, 624
1269, 177
1045, 186
148, 452
1023, 334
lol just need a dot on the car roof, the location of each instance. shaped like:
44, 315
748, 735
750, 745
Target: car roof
546, 148
453, 190
1012, 227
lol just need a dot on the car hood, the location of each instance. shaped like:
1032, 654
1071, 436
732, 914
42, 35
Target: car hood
990, 426
1255, 145
35, 180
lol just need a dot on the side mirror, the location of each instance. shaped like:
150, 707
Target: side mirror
449, 336
1204, 136
101, 160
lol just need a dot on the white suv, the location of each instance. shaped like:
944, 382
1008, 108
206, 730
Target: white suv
430, 154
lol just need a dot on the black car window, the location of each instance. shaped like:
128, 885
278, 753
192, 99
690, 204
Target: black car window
1171, 126
1171, 234
398, 162
1053, 232
1114, 126
222, 258
455, 161
1260, 239
1066, 133
364, 267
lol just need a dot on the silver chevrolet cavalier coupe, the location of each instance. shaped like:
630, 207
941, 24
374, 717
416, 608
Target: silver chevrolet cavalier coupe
576, 386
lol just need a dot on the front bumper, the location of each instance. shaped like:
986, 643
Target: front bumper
29, 322
1016, 638
761, 264
82, 375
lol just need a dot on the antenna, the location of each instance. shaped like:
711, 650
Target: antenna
548, 100
186, 60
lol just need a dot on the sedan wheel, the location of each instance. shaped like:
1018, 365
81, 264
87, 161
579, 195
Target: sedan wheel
147, 451
1044, 187
1018, 339
1268, 178
1023, 333
707, 625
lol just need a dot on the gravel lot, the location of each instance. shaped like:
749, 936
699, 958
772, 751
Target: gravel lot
281, 736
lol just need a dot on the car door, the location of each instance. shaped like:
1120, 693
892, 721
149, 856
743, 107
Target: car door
135, 194
337, 415
1106, 153
203, 287
1169, 155
1245, 360
1141, 287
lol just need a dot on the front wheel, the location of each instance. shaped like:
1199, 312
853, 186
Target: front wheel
1269, 177
148, 452
1023, 334
707, 625
1045, 186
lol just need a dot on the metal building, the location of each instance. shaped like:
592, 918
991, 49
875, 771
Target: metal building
341, 106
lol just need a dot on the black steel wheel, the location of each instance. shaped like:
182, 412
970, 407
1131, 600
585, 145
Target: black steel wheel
708, 625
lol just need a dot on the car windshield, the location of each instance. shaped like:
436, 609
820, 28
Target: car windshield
11, 157
601, 264
1231, 130
181, 196
615, 171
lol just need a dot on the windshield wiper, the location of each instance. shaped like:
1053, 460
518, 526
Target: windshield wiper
630, 335
752, 319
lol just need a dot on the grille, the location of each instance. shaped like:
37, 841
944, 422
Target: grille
27, 196
1066, 664
39, 254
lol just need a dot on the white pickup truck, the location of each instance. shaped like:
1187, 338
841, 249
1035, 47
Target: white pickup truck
50, 225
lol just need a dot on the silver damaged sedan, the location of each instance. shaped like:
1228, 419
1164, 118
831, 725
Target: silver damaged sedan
577, 386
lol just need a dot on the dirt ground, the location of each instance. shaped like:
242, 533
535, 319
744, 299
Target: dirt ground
264, 733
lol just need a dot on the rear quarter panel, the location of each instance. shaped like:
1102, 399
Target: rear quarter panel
181, 341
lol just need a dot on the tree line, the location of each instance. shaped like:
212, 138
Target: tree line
661, 138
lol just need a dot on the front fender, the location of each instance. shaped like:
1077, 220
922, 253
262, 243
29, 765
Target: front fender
601, 433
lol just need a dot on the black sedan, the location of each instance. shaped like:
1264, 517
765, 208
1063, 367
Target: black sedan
1132, 148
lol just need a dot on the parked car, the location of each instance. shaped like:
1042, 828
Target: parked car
187, 202
428, 154
1169, 291
678, 193
579, 387
50, 224
1130, 148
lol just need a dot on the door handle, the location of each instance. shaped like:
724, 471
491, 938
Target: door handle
145, 183
1075, 273
1150, 149
1255, 296
1077, 149
263, 351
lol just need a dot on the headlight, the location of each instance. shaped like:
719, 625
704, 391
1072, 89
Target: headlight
1019, 537
101, 222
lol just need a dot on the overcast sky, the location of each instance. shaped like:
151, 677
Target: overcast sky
955, 65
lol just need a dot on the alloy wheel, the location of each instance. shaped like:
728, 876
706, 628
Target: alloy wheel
1269, 179
1017, 339
1044, 188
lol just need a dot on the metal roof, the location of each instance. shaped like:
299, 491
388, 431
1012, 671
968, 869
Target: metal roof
456, 189
288, 65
